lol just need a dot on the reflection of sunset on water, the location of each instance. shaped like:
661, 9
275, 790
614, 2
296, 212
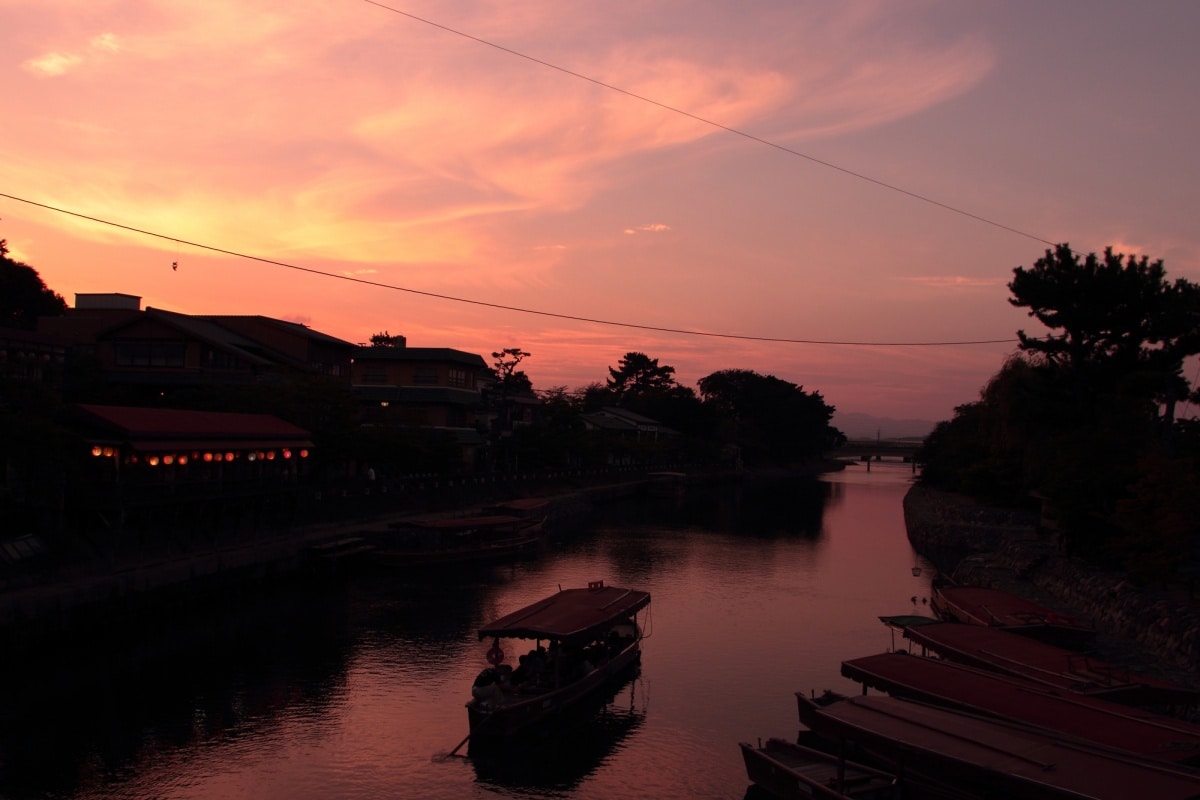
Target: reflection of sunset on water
359, 691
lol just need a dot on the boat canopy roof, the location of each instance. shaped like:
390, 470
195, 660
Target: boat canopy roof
571, 615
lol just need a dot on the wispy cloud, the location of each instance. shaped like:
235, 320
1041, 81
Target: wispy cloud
53, 64
106, 42
656, 227
56, 63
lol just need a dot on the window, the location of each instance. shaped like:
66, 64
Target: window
457, 377
149, 354
219, 359
374, 375
425, 376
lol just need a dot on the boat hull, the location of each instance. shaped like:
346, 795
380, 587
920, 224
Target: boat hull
518, 713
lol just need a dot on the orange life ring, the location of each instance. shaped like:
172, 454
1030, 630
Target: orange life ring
495, 656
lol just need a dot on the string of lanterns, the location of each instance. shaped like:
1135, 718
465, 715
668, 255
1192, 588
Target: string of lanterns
168, 459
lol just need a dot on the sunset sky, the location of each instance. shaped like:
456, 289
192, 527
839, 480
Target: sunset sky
824, 174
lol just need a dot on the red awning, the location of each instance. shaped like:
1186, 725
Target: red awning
193, 445
163, 430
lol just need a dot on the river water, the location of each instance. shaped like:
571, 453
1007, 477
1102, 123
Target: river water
356, 690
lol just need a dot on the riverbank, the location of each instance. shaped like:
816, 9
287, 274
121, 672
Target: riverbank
63, 598
1142, 629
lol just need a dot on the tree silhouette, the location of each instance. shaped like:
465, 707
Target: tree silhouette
385, 339
637, 375
1084, 415
509, 379
1116, 323
771, 419
23, 295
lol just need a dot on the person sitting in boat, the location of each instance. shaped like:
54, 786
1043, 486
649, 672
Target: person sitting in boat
595, 653
504, 676
487, 688
522, 673
539, 666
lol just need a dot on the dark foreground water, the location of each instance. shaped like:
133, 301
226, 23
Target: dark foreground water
357, 692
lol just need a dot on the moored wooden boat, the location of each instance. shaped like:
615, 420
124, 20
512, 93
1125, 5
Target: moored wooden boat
457, 540
943, 683
990, 758
1051, 666
579, 641
535, 508
996, 608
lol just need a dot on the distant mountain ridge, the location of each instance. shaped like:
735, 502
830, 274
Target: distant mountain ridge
864, 426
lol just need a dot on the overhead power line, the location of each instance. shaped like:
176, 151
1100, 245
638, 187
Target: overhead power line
718, 125
439, 296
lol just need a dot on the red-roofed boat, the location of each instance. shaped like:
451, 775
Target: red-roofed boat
1054, 667
996, 608
579, 642
980, 757
942, 683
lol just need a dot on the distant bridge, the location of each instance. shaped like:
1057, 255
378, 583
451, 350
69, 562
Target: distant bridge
878, 449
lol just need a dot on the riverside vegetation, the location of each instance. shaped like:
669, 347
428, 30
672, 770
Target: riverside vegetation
1072, 477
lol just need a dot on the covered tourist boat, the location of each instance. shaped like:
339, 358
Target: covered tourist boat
563, 650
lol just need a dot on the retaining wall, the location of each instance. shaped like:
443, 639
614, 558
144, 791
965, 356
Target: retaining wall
1000, 548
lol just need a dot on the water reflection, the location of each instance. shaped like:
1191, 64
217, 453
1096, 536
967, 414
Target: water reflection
761, 505
429, 608
78, 716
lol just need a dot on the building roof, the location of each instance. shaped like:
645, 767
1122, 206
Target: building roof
170, 428
611, 418
292, 327
445, 354
205, 330
103, 318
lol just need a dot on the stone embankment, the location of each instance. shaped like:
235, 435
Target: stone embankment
1144, 630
